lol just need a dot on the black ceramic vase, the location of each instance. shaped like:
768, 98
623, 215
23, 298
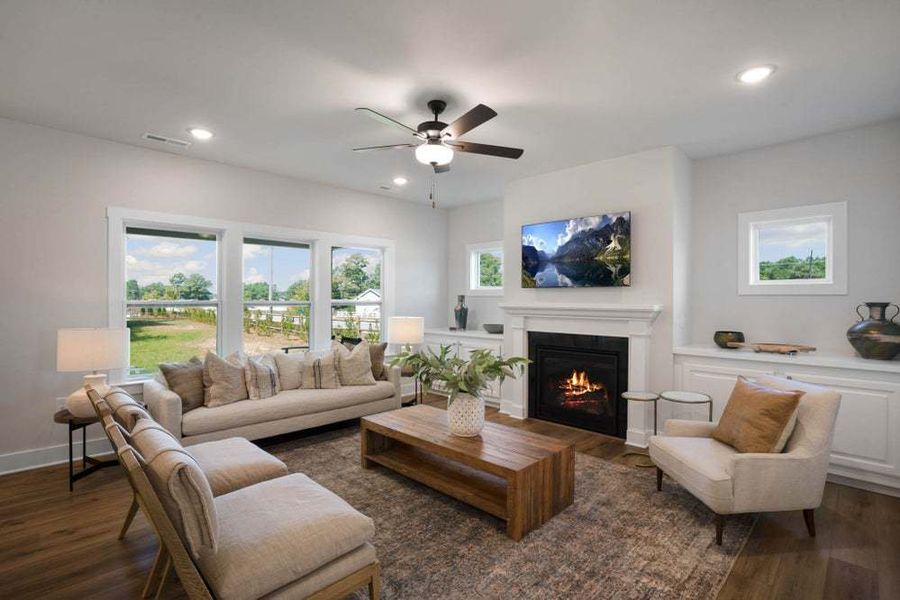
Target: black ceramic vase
876, 337
461, 312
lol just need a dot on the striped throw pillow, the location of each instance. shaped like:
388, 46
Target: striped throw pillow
262, 377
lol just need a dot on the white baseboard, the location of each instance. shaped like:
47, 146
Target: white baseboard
637, 438
25, 460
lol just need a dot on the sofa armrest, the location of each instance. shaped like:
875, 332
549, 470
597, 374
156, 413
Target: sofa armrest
164, 406
393, 375
685, 428
775, 482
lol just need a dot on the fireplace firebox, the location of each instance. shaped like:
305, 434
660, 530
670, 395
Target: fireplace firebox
578, 380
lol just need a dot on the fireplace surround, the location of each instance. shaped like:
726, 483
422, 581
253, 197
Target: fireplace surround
578, 380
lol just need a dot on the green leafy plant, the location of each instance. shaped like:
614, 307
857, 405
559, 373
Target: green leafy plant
458, 375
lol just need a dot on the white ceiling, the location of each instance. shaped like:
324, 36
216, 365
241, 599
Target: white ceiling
573, 82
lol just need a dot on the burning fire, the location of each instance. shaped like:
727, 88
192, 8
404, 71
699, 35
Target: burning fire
579, 384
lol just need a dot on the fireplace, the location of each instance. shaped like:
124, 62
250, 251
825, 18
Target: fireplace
578, 380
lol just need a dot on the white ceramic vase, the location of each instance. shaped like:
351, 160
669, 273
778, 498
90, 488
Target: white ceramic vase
465, 415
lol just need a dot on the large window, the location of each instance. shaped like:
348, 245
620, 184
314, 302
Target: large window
276, 296
171, 296
485, 268
356, 292
800, 250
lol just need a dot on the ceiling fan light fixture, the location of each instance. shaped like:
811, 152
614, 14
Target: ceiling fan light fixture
433, 152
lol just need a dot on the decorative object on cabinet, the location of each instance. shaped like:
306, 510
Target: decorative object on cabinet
723, 338
774, 347
493, 327
464, 380
876, 337
583, 252
461, 312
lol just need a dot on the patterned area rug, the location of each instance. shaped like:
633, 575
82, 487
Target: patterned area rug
620, 539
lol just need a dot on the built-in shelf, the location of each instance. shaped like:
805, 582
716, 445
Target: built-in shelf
807, 359
466, 333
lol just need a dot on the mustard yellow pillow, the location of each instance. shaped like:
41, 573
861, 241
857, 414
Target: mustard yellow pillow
757, 418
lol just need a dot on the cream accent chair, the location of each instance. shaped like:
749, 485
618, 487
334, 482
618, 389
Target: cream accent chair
730, 482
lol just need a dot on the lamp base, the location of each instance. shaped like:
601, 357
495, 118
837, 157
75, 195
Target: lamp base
78, 402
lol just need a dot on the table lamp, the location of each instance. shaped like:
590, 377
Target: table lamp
80, 350
406, 331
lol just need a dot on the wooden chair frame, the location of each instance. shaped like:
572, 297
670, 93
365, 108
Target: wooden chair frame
172, 553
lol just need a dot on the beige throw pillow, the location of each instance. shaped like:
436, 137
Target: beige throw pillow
376, 353
186, 380
319, 373
757, 418
354, 367
262, 377
289, 367
224, 379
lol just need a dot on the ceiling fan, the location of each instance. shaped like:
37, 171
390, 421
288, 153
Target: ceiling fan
437, 140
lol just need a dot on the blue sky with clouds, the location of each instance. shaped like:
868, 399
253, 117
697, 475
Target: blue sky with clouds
277, 264
150, 259
549, 236
778, 241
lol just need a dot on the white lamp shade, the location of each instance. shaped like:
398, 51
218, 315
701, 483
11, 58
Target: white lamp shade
406, 330
80, 350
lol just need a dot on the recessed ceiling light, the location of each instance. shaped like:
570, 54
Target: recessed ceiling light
755, 74
399, 180
200, 134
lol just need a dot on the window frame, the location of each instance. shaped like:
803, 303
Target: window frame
229, 264
339, 302
749, 224
473, 262
268, 240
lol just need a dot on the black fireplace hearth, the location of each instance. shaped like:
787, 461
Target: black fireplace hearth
578, 380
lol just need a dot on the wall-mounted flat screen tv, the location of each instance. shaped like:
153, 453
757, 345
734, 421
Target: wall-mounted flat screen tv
582, 252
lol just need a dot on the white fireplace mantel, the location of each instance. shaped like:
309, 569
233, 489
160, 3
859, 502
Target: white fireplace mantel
620, 320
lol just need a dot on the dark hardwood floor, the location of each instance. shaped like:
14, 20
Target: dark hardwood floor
54, 544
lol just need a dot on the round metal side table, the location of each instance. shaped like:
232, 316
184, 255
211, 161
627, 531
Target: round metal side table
680, 397
643, 397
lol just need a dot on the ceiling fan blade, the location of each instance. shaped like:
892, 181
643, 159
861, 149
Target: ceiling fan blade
388, 147
469, 121
472, 147
386, 120
441, 168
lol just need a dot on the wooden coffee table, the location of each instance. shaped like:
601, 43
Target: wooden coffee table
521, 477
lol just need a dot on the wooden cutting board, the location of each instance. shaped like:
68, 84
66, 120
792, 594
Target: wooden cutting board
774, 347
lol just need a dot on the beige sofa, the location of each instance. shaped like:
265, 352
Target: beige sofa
287, 411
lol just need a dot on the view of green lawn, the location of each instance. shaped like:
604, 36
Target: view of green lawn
168, 340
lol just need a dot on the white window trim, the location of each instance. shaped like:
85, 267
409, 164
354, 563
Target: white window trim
473, 266
230, 269
836, 281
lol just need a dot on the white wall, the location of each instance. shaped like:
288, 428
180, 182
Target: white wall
54, 190
472, 224
860, 166
653, 186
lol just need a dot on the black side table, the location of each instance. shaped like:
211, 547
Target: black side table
89, 464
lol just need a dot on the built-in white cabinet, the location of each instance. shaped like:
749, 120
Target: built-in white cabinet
462, 344
866, 447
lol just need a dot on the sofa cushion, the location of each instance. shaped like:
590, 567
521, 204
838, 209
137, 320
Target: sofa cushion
261, 375
126, 411
757, 418
235, 463
288, 366
181, 485
289, 403
702, 465
319, 372
224, 379
276, 532
186, 380
376, 355
354, 367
